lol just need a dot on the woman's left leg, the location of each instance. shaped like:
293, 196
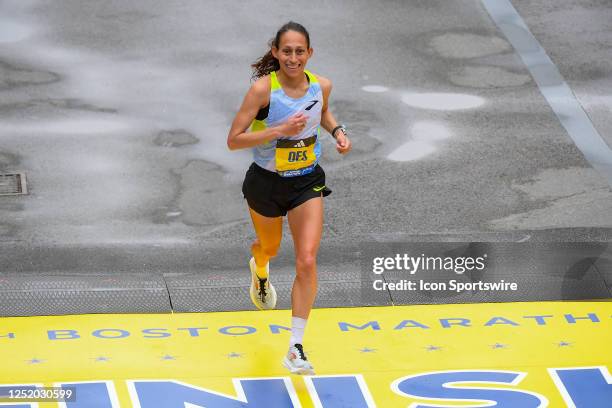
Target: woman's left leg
306, 224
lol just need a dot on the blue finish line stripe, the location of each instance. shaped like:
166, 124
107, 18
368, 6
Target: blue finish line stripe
552, 85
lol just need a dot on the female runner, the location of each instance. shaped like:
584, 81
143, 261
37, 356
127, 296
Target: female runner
280, 119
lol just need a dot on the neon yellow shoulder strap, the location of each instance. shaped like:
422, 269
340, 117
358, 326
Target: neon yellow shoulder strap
312, 77
274, 84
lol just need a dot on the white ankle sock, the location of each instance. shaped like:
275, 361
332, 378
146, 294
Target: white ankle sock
298, 325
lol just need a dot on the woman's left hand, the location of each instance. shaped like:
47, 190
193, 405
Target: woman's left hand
343, 143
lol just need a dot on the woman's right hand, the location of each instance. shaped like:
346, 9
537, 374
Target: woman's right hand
294, 125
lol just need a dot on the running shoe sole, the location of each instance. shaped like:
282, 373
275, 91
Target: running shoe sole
297, 370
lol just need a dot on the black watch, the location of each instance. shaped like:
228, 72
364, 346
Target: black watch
342, 127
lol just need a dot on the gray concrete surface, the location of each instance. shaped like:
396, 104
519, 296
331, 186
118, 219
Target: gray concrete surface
576, 35
118, 113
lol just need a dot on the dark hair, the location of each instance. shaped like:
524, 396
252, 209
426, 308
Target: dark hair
268, 63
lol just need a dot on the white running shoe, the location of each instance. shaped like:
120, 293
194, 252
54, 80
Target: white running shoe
296, 361
262, 292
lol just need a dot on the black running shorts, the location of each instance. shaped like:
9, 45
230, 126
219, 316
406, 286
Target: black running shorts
272, 195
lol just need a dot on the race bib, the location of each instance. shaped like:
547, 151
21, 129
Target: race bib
292, 155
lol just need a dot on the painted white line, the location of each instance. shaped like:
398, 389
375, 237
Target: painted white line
422, 142
375, 88
442, 101
552, 85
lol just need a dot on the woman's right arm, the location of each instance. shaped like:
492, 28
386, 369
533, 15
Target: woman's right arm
255, 99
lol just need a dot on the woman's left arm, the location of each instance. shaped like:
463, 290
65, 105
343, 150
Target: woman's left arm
328, 122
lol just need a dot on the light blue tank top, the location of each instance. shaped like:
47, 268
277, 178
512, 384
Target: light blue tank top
280, 109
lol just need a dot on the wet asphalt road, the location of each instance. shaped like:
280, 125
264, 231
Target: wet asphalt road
118, 113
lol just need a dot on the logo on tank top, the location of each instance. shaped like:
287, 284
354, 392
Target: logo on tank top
309, 107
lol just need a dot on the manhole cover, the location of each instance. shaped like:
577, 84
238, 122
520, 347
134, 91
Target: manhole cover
13, 184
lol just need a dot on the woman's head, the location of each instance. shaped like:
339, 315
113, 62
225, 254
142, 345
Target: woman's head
289, 51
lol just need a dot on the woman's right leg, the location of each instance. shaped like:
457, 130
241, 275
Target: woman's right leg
269, 231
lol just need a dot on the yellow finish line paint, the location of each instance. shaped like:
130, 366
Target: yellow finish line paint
535, 354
